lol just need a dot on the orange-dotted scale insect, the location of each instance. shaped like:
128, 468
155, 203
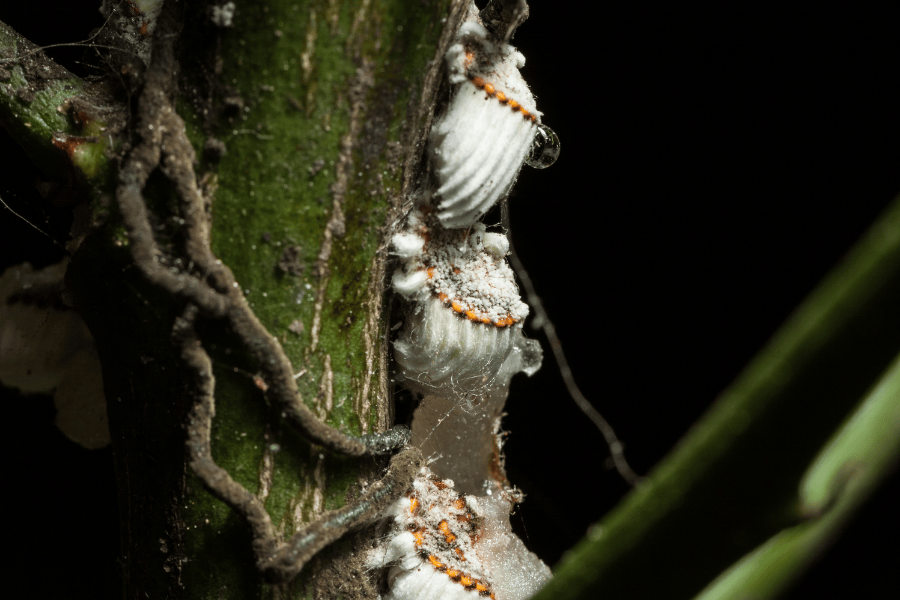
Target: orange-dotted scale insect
447, 546
465, 315
491, 127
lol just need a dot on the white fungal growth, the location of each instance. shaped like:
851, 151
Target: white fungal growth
465, 316
449, 546
479, 145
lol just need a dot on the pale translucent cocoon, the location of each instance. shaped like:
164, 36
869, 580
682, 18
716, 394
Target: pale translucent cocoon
480, 144
438, 349
515, 572
80, 404
458, 431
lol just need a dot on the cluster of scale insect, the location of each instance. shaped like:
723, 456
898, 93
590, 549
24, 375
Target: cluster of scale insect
465, 312
462, 331
439, 530
451, 546
490, 129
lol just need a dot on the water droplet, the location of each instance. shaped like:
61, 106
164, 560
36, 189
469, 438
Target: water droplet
544, 148
532, 356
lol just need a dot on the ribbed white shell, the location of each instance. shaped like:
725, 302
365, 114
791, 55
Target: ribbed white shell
441, 350
479, 145
477, 151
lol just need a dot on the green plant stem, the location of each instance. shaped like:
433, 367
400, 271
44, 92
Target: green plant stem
34, 92
732, 482
846, 472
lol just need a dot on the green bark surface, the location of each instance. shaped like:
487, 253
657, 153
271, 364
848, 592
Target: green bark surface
319, 105
311, 78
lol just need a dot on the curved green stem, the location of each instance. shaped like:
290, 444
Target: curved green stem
731, 483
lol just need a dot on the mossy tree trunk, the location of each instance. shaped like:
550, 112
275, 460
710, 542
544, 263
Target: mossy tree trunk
307, 124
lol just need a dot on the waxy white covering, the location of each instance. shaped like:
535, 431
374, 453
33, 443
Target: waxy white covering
460, 288
482, 537
480, 143
439, 349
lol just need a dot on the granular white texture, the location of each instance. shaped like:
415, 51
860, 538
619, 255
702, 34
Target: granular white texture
475, 54
465, 315
480, 143
465, 269
447, 546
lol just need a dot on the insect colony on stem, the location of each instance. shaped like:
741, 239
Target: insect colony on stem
462, 339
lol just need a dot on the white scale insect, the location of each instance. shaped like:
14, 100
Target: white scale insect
462, 335
490, 129
449, 260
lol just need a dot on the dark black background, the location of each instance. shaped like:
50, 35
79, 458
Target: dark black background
711, 174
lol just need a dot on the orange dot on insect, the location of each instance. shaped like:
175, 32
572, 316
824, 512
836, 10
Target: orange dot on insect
466, 580
453, 574
430, 272
501, 97
456, 306
434, 561
489, 89
478, 82
514, 105
413, 505
470, 314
